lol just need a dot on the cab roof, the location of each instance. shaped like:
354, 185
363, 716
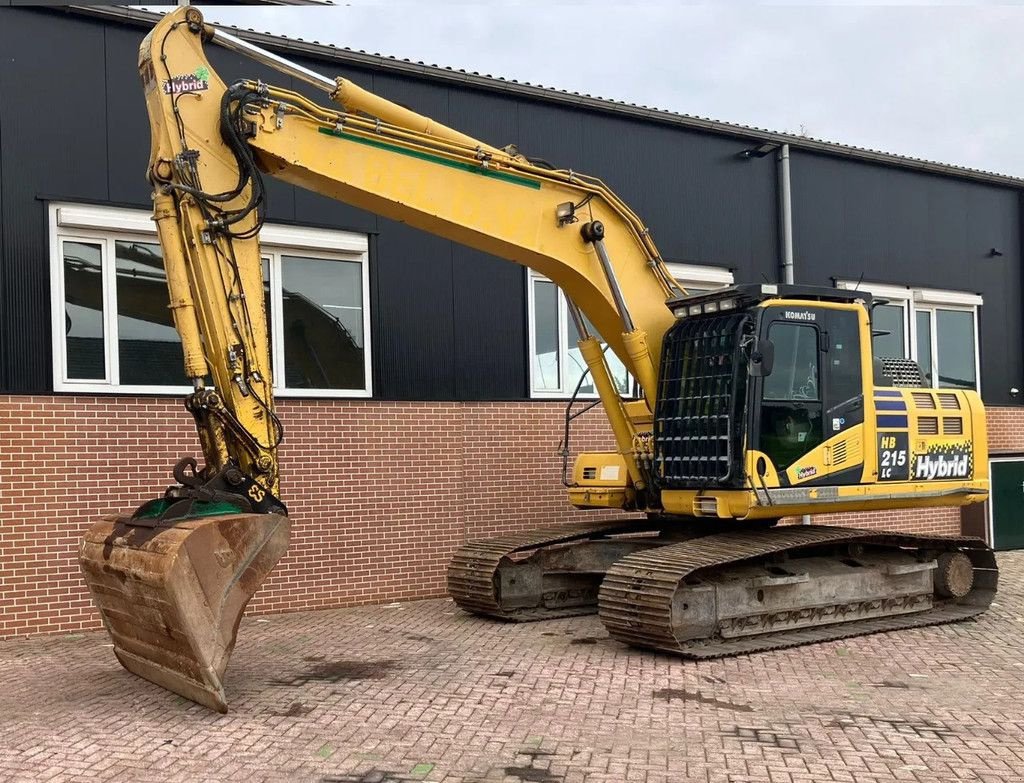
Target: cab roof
741, 296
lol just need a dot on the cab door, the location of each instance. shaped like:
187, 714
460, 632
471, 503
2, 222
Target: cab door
842, 372
791, 407
813, 396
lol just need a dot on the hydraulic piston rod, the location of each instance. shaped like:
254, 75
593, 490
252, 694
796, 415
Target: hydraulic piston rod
351, 96
278, 63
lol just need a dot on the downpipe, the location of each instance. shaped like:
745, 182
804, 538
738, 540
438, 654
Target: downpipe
786, 234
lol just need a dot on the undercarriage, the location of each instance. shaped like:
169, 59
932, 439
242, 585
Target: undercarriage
702, 591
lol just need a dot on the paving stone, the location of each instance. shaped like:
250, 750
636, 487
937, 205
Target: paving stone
423, 692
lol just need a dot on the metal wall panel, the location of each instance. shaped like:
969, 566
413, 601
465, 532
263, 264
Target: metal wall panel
413, 332
489, 299
54, 143
552, 133
703, 203
494, 119
905, 228
489, 314
6, 31
312, 209
422, 97
448, 322
128, 128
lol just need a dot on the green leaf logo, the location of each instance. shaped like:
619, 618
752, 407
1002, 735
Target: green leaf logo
202, 73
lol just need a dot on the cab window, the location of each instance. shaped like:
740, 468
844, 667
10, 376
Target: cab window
845, 381
791, 414
795, 372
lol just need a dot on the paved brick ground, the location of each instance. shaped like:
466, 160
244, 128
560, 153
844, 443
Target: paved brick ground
421, 691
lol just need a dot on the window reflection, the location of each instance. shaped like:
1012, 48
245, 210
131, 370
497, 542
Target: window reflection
843, 358
944, 337
889, 319
148, 346
924, 345
794, 374
322, 314
554, 346
955, 342
791, 416
578, 366
83, 310
546, 357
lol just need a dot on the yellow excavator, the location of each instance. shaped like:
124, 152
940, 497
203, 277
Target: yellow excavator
756, 403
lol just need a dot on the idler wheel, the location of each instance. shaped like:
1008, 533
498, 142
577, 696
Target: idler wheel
954, 576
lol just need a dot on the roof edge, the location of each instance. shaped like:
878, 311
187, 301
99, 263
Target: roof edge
347, 56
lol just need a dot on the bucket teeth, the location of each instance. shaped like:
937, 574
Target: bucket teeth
172, 596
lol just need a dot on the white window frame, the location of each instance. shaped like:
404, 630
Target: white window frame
107, 225
563, 347
687, 275
929, 300
699, 276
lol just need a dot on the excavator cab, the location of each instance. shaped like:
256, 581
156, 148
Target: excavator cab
769, 409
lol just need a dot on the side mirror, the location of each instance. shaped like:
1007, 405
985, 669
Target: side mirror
761, 359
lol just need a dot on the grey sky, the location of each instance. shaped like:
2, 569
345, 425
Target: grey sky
940, 82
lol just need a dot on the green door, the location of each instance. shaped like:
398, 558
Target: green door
1007, 505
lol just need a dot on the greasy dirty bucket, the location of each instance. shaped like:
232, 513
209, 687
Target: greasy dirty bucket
172, 595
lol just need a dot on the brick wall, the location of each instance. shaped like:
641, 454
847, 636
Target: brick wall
934, 521
380, 493
1005, 430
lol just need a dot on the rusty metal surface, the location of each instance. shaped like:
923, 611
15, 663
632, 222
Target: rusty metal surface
171, 596
473, 570
636, 596
954, 576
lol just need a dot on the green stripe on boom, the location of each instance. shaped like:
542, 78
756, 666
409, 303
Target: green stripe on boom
515, 180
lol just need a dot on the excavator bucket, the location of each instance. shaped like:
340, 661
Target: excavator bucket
172, 594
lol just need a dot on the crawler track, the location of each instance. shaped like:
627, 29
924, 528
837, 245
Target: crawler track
473, 571
636, 596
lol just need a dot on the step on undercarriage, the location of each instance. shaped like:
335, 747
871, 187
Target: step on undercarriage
675, 588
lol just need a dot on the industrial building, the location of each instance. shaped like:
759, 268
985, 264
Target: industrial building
422, 385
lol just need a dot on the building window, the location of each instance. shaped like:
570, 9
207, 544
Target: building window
556, 365
888, 322
113, 331
937, 329
947, 346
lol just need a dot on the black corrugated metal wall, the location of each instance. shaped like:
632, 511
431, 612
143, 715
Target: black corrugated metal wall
449, 322
6, 60
908, 228
54, 139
